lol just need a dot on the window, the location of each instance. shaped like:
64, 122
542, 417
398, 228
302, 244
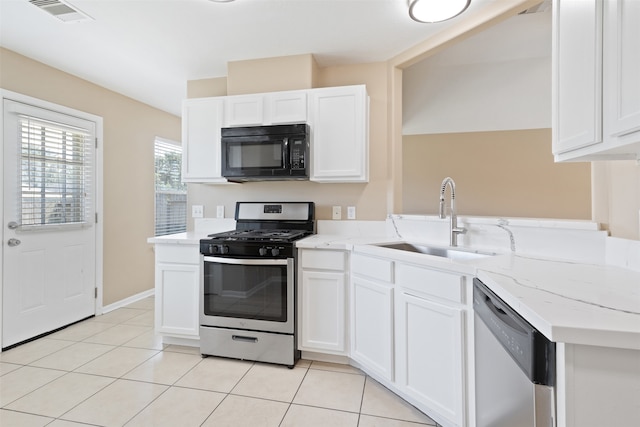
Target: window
56, 168
171, 193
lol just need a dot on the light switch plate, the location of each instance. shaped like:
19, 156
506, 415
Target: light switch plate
351, 212
220, 211
197, 211
336, 212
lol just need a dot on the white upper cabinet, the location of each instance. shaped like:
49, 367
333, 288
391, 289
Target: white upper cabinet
577, 75
201, 123
338, 119
286, 107
622, 68
339, 125
266, 109
244, 110
596, 90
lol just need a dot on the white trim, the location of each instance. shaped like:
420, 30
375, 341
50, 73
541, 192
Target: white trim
184, 342
99, 162
129, 300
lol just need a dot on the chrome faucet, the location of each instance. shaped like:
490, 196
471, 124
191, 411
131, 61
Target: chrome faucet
454, 230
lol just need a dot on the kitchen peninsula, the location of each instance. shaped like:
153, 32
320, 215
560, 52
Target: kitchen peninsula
580, 288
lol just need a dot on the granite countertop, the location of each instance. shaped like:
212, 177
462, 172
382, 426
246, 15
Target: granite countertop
567, 301
187, 238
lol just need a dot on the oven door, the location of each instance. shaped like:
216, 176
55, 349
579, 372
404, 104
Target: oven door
250, 294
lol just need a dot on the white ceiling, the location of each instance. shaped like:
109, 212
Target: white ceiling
149, 49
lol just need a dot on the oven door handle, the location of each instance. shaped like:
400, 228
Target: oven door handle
240, 261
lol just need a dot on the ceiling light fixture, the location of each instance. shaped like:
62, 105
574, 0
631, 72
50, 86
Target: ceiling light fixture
430, 11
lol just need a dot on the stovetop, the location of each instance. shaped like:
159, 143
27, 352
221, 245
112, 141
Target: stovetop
263, 229
276, 235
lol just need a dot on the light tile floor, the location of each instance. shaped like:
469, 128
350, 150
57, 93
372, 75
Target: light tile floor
113, 370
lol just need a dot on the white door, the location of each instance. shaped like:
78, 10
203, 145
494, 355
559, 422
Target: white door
49, 232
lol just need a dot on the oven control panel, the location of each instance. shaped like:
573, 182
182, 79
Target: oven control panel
247, 249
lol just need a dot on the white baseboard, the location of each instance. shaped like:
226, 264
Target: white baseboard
185, 342
129, 300
323, 357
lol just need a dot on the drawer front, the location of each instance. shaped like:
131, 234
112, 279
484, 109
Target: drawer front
448, 286
178, 254
324, 259
375, 268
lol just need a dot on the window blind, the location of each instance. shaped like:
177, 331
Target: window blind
171, 193
56, 168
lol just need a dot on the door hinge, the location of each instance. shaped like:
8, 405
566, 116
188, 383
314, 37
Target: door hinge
95, 293
96, 142
96, 217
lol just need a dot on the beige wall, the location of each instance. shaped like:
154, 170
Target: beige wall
129, 131
369, 199
271, 74
615, 185
504, 173
616, 195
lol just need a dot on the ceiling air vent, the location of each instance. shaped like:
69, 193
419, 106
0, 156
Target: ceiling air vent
61, 10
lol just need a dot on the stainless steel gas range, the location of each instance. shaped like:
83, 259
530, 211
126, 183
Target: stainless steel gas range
247, 285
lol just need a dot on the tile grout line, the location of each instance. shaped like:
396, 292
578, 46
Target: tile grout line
294, 395
308, 366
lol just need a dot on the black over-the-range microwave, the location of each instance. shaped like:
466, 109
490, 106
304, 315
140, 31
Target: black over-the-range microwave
257, 153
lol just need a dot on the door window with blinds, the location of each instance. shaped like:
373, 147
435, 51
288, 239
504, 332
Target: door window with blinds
56, 169
171, 193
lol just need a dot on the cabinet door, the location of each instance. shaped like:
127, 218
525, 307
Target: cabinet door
339, 126
322, 311
429, 355
622, 66
177, 301
577, 74
244, 110
286, 107
372, 326
201, 123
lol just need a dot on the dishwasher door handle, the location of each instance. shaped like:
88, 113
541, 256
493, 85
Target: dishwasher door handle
503, 316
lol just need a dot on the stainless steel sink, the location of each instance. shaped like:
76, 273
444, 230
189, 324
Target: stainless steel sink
451, 253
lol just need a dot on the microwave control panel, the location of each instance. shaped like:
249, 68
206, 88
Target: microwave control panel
297, 154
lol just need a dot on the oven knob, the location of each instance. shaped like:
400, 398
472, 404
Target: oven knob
223, 249
262, 251
275, 251
212, 249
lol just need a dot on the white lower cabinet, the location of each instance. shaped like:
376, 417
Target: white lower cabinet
429, 354
409, 328
322, 301
431, 350
372, 326
177, 282
372, 315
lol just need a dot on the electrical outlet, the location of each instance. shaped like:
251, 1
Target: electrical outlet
220, 211
351, 212
197, 211
337, 212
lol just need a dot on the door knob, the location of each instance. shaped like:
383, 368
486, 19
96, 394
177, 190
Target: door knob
13, 225
13, 242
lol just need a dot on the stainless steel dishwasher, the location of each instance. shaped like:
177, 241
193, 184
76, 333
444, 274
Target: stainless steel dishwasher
515, 366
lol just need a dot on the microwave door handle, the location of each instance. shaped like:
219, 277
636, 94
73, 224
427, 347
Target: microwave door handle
286, 155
